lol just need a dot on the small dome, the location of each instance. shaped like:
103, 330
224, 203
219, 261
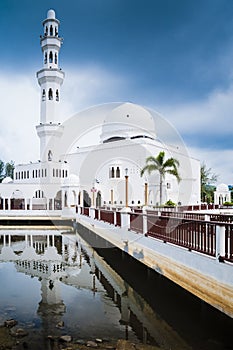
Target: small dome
222, 188
7, 180
128, 120
51, 14
71, 180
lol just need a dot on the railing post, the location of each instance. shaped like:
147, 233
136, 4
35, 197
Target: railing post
92, 212
144, 220
114, 218
125, 217
220, 242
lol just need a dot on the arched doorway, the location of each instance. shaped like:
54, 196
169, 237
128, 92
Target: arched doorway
17, 200
58, 201
86, 199
98, 199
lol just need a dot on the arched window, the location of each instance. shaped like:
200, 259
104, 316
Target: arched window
50, 94
45, 57
28, 174
45, 172
55, 58
56, 31
51, 30
42, 172
57, 95
33, 174
50, 155
43, 95
118, 172
46, 31
50, 57
112, 172
53, 172
63, 173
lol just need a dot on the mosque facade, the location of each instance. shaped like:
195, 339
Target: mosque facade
68, 174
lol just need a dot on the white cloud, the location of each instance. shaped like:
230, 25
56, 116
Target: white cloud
20, 106
213, 115
18, 114
220, 162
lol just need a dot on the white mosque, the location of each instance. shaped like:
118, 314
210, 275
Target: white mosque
69, 174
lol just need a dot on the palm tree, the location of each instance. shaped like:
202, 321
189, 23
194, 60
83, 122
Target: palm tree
169, 166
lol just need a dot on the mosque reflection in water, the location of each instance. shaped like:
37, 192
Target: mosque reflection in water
63, 260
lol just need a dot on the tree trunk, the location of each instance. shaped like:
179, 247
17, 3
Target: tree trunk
160, 189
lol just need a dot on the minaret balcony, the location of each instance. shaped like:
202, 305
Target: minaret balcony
50, 75
51, 41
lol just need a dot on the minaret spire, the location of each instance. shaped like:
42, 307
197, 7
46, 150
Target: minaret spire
50, 79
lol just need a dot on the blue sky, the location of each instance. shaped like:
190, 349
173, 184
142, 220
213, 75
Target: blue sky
175, 56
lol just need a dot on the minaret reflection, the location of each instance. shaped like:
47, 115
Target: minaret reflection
50, 257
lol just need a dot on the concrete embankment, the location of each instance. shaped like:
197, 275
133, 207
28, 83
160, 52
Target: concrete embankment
202, 275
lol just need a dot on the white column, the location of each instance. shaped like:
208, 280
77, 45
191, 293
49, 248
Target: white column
9, 240
4, 203
144, 220
62, 199
125, 217
47, 241
92, 212
9, 203
114, 218
30, 203
31, 241
53, 241
25, 203
220, 241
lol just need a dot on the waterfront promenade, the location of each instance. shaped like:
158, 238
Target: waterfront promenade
194, 250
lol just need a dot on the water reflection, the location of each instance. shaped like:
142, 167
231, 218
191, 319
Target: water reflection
52, 278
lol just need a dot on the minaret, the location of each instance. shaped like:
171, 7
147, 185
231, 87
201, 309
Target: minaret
50, 79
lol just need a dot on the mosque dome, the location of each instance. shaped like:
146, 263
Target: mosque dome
51, 14
222, 188
71, 180
7, 180
128, 120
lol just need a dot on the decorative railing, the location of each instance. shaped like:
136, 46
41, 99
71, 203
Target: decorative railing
194, 231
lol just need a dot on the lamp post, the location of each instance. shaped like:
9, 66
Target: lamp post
146, 194
93, 190
126, 187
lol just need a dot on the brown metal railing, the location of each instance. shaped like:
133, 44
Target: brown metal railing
229, 242
192, 234
177, 228
107, 216
136, 222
